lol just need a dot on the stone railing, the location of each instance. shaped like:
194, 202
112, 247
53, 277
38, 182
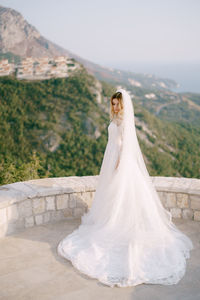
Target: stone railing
40, 201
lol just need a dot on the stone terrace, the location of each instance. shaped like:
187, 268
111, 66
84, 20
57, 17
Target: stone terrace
36, 214
41, 201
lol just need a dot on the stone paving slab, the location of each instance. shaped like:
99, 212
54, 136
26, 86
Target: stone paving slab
30, 269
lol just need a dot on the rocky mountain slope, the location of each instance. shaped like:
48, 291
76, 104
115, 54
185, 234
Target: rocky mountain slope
22, 39
19, 39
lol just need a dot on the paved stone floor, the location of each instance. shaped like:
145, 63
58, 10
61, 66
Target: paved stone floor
31, 269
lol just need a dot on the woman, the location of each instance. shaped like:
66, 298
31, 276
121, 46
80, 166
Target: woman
127, 237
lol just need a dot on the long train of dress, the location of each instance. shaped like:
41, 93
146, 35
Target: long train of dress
120, 240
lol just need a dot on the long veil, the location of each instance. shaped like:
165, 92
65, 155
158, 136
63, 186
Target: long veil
132, 160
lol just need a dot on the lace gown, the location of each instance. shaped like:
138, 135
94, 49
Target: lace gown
119, 242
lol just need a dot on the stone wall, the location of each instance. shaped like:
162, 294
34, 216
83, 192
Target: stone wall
35, 202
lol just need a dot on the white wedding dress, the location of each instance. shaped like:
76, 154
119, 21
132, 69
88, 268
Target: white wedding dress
127, 237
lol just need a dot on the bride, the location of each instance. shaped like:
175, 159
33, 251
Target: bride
127, 237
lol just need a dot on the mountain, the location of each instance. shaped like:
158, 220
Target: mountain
58, 126
17, 36
20, 39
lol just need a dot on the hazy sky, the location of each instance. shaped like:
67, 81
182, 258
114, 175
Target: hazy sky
118, 30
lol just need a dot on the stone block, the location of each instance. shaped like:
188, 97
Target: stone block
25, 209
87, 198
12, 212
15, 226
3, 230
3, 216
170, 200
72, 200
197, 215
187, 213
38, 205
92, 194
50, 202
68, 212
195, 201
46, 217
78, 211
29, 221
62, 201
162, 197
80, 203
176, 212
38, 219
182, 200
56, 215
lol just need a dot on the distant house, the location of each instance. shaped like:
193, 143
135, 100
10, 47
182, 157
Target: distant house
39, 68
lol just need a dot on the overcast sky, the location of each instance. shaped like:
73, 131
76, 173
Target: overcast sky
112, 31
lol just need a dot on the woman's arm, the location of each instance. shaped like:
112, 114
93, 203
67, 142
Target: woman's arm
120, 142
117, 163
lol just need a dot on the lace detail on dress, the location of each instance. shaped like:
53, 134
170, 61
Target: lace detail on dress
117, 119
149, 275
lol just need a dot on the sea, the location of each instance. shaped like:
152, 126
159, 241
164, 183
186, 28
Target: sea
186, 74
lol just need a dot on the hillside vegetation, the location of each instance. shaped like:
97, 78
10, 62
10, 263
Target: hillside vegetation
56, 127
